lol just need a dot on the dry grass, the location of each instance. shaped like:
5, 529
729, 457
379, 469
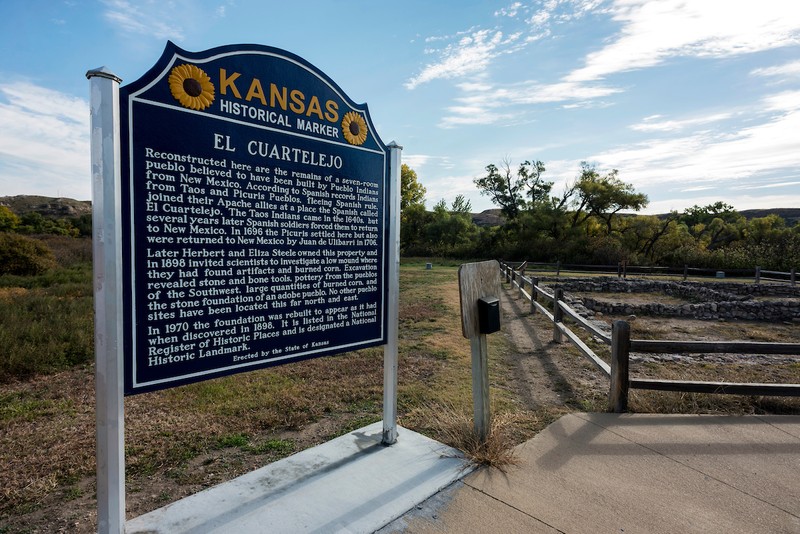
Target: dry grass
455, 428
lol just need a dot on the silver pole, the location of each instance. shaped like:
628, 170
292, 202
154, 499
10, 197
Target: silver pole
107, 243
390, 349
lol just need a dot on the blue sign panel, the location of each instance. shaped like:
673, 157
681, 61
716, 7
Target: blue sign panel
255, 217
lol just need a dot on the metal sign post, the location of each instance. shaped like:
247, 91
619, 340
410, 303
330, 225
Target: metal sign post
393, 283
107, 243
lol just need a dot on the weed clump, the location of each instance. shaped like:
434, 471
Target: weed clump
456, 428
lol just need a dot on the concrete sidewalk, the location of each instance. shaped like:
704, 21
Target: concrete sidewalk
632, 473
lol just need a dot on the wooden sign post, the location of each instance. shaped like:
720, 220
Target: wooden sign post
476, 282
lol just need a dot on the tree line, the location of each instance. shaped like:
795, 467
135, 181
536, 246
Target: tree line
592, 221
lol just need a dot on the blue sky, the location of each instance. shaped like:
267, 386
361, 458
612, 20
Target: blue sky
693, 101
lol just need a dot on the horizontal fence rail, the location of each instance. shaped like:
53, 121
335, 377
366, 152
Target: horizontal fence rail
622, 345
622, 270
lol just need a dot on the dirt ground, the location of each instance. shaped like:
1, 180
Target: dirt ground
548, 375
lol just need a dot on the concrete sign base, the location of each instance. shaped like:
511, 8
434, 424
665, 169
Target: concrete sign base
351, 484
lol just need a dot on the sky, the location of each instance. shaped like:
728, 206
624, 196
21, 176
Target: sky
692, 101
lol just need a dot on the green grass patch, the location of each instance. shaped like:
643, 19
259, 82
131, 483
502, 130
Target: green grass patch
46, 323
24, 406
279, 447
233, 440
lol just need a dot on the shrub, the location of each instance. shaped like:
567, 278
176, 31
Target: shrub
21, 255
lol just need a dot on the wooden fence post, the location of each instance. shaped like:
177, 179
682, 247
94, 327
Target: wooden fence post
558, 315
480, 386
620, 350
758, 274
794, 276
558, 268
685, 271
508, 275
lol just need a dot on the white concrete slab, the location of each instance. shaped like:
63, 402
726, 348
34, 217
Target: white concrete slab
349, 484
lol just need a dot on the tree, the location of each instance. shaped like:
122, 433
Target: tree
510, 192
411, 191
715, 225
451, 232
604, 196
413, 216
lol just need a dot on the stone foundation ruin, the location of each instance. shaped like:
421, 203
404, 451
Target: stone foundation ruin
707, 300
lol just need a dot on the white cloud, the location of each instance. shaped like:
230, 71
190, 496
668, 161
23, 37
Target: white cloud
765, 186
652, 32
697, 188
470, 55
649, 124
149, 20
562, 11
791, 69
762, 151
420, 161
488, 104
510, 11
44, 142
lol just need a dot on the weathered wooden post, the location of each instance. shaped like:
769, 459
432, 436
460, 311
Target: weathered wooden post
534, 293
793, 276
620, 351
479, 289
558, 268
758, 274
685, 271
558, 315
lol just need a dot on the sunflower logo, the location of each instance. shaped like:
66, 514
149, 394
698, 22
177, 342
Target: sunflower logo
354, 128
191, 86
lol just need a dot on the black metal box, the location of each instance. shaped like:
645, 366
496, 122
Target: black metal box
488, 315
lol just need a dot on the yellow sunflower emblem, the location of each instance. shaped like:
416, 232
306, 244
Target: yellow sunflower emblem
354, 128
191, 86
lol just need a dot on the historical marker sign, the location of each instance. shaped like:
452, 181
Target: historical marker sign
255, 217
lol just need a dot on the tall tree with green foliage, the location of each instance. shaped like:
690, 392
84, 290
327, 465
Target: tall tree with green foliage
413, 216
511, 191
411, 191
603, 197
714, 225
451, 232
